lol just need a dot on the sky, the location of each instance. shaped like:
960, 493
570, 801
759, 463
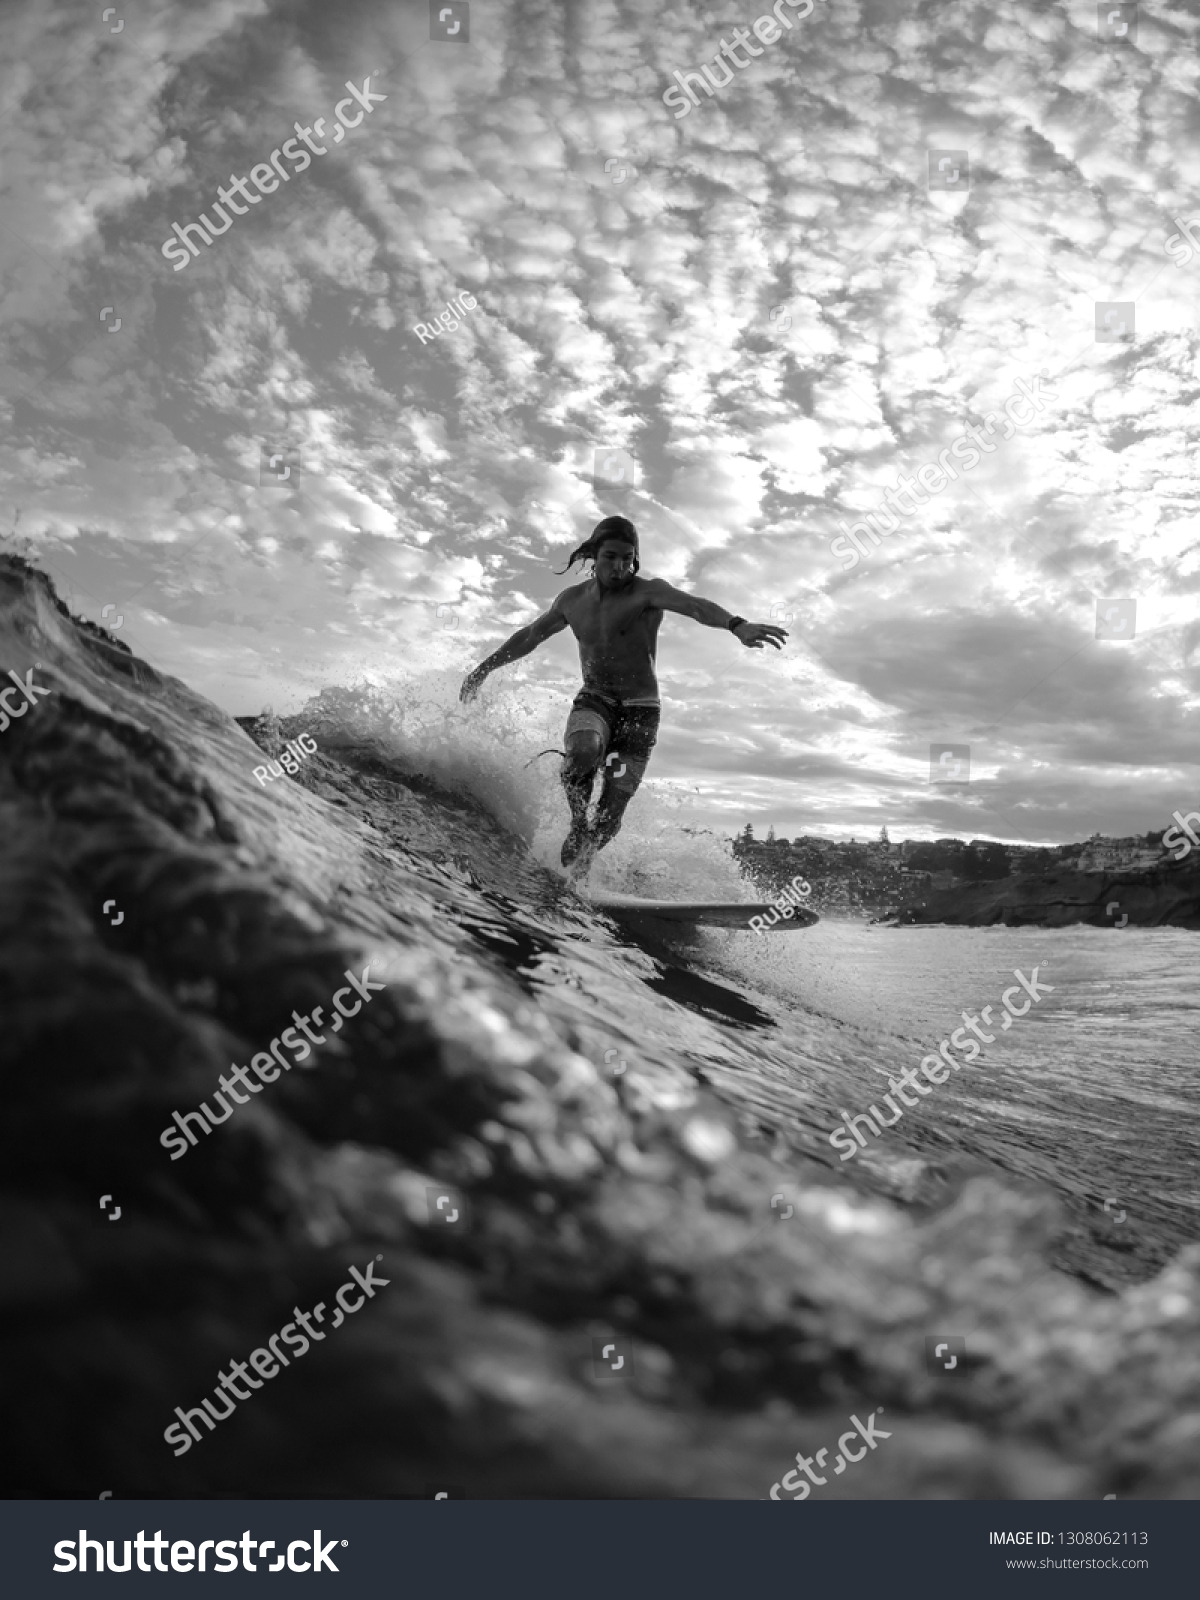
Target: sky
762, 310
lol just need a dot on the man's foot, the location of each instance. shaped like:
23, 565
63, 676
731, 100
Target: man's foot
575, 841
606, 825
582, 864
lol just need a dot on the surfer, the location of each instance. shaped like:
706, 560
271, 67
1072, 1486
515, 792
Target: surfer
613, 724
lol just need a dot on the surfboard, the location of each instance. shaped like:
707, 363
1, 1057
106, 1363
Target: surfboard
701, 913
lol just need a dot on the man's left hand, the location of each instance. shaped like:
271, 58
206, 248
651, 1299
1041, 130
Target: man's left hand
471, 685
755, 634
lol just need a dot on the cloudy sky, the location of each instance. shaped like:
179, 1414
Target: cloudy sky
764, 302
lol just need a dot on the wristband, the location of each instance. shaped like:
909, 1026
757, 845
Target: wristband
735, 623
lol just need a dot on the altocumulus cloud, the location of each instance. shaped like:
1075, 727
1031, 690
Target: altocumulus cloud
639, 314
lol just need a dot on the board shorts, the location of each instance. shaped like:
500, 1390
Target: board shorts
628, 731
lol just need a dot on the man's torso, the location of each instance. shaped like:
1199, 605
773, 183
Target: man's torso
617, 635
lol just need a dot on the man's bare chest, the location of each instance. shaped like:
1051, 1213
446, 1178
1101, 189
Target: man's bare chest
613, 621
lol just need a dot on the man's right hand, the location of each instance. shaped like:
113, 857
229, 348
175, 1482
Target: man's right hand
755, 634
471, 685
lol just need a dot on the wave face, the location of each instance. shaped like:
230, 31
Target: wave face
631, 1134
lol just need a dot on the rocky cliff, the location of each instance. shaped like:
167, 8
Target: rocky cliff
1169, 898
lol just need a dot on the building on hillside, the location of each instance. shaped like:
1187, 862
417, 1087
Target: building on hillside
1131, 854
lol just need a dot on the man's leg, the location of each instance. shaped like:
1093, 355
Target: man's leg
584, 741
624, 768
614, 797
579, 772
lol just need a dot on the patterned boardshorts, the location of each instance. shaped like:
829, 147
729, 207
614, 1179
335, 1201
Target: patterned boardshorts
627, 728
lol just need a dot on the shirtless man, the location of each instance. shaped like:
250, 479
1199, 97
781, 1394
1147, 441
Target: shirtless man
613, 723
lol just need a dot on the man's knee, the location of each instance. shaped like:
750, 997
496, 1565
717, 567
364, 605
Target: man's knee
584, 751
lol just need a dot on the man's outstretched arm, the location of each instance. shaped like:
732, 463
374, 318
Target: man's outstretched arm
752, 634
522, 643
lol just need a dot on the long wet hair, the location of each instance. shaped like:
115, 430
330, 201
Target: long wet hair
610, 528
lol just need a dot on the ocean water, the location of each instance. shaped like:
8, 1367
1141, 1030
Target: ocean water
421, 840
1092, 1095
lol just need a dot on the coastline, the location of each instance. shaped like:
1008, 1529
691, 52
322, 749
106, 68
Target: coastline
980, 884
1102, 900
